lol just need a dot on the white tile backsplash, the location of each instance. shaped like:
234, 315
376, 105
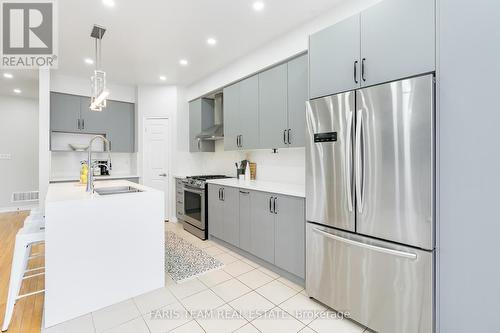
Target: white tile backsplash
67, 164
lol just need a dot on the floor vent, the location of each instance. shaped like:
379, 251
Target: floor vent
25, 196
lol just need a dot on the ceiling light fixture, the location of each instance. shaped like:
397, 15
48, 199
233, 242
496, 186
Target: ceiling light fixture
98, 80
211, 41
183, 62
163, 78
8, 75
109, 3
258, 6
89, 61
17, 91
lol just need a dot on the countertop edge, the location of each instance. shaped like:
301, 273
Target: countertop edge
293, 190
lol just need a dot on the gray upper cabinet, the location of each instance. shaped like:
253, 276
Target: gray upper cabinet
297, 97
391, 40
241, 115
231, 95
201, 117
290, 235
334, 58
71, 113
398, 40
245, 221
231, 224
64, 112
273, 115
121, 128
249, 113
262, 226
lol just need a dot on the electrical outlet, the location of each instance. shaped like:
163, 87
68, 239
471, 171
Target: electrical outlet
5, 156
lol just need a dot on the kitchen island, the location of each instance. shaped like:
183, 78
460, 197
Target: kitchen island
101, 249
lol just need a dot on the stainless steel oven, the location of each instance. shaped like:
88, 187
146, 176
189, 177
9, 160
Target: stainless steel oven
194, 206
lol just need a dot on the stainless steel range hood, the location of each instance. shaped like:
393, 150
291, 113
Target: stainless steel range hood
215, 132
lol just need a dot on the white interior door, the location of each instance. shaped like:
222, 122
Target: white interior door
156, 156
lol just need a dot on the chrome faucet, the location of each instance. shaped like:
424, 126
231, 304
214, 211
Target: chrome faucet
90, 177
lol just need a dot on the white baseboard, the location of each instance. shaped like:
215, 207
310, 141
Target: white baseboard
18, 208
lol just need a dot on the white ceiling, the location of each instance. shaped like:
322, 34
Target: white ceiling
146, 39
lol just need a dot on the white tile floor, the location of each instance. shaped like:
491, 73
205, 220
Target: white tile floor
242, 297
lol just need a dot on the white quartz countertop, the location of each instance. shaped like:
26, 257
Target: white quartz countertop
263, 186
76, 178
75, 191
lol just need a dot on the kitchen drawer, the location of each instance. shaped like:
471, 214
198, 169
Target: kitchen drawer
375, 281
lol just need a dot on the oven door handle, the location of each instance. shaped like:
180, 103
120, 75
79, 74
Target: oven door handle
193, 190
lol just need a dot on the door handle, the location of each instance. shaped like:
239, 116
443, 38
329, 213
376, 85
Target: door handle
380, 249
162, 175
220, 195
284, 137
356, 71
241, 140
271, 205
244, 192
348, 166
288, 136
274, 205
363, 69
83, 124
78, 124
199, 144
359, 169
223, 194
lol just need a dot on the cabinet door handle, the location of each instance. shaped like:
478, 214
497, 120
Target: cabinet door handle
284, 137
356, 71
219, 193
288, 136
244, 192
199, 144
241, 140
274, 205
223, 194
363, 69
271, 205
238, 141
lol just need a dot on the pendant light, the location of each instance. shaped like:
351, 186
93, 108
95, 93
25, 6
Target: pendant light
98, 80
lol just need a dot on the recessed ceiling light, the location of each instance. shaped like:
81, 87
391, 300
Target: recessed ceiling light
8, 75
109, 3
258, 6
163, 78
17, 91
183, 62
211, 41
89, 61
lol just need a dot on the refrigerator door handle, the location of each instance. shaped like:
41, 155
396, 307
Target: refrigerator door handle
348, 160
359, 167
397, 253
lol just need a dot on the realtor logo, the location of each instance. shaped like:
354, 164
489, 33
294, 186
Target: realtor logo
28, 34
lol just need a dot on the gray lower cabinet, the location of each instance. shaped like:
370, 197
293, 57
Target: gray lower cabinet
273, 117
334, 63
262, 227
215, 211
71, 113
289, 239
230, 215
398, 40
179, 199
223, 213
245, 221
201, 117
241, 115
297, 97
267, 225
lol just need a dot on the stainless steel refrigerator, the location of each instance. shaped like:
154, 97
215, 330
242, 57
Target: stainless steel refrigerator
370, 204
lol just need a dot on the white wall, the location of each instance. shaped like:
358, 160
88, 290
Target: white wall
288, 165
43, 133
19, 138
158, 101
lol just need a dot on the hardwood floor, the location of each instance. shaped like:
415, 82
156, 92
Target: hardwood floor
27, 316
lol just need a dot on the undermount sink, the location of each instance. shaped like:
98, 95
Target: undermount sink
116, 190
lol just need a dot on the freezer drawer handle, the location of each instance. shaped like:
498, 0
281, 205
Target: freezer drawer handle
407, 255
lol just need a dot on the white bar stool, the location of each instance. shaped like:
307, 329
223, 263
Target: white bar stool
27, 236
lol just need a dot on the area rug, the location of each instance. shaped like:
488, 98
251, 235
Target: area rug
185, 261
